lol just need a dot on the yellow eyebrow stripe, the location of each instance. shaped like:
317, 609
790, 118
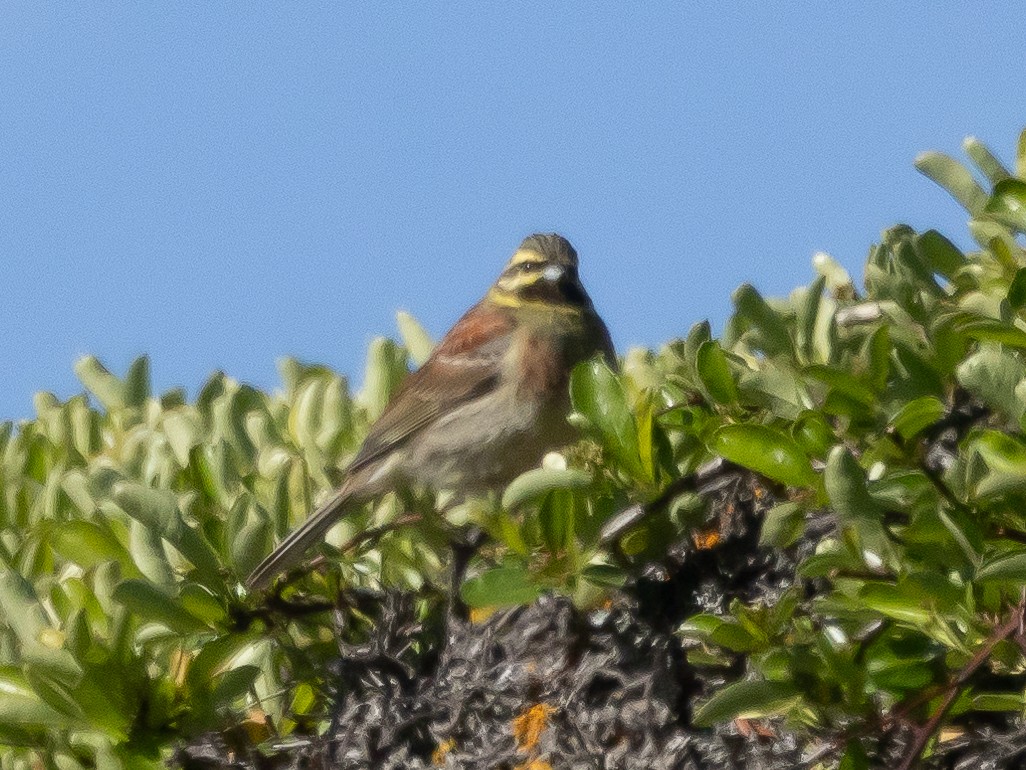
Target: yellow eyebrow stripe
525, 255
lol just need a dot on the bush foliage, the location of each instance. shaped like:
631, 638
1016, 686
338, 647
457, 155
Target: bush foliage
894, 414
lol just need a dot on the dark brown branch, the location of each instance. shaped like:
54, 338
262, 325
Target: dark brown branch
706, 479
923, 734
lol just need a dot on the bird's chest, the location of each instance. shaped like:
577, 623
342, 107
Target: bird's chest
538, 369
490, 440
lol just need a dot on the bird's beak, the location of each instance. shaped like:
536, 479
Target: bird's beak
553, 273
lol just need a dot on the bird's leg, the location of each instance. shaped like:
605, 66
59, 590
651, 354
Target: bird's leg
463, 550
457, 516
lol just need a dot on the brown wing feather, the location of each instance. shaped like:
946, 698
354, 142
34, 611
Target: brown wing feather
465, 365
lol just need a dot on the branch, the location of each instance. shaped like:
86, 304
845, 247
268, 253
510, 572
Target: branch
923, 734
707, 478
374, 533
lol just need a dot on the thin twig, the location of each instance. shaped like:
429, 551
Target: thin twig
374, 533
704, 479
924, 733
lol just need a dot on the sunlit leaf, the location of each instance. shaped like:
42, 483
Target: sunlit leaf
953, 177
764, 450
538, 482
1008, 203
416, 340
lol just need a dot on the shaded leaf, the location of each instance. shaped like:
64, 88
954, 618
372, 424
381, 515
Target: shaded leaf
747, 699
598, 394
150, 603
500, 587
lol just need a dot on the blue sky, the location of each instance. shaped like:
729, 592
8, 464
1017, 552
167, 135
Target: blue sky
220, 185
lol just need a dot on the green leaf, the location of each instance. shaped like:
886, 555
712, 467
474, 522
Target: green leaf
148, 554
939, 253
917, 415
999, 701
218, 656
772, 338
416, 340
21, 706
557, 520
1008, 567
21, 609
965, 531
183, 432
137, 382
698, 334
152, 604
233, 684
154, 508
985, 160
1017, 290
725, 632
304, 699
201, 603
53, 692
107, 388
157, 509
1008, 204
605, 575
992, 374
715, 373
386, 368
953, 177
749, 700
1005, 458
764, 450
992, 330
855, 757
538, 482
1020, 156
782, 526
845, 484
808, 317
598, 394
844, 383
891, 601
500, 587
88, 544
251, 535
813, 433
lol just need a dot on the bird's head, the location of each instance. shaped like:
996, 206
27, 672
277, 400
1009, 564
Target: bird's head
542, 271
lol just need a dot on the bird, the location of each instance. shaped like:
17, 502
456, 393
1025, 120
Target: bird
489, 402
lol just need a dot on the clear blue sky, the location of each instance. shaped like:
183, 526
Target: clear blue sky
219, 185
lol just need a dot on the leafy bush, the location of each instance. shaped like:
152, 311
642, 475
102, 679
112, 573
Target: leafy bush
888, 422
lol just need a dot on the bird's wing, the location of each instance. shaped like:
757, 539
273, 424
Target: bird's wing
465, 365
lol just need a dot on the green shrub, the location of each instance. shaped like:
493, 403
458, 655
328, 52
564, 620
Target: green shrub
128, 519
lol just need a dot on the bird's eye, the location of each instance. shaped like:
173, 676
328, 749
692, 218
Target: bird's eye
529, 267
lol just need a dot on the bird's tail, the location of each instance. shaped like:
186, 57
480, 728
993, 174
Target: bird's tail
290, 551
